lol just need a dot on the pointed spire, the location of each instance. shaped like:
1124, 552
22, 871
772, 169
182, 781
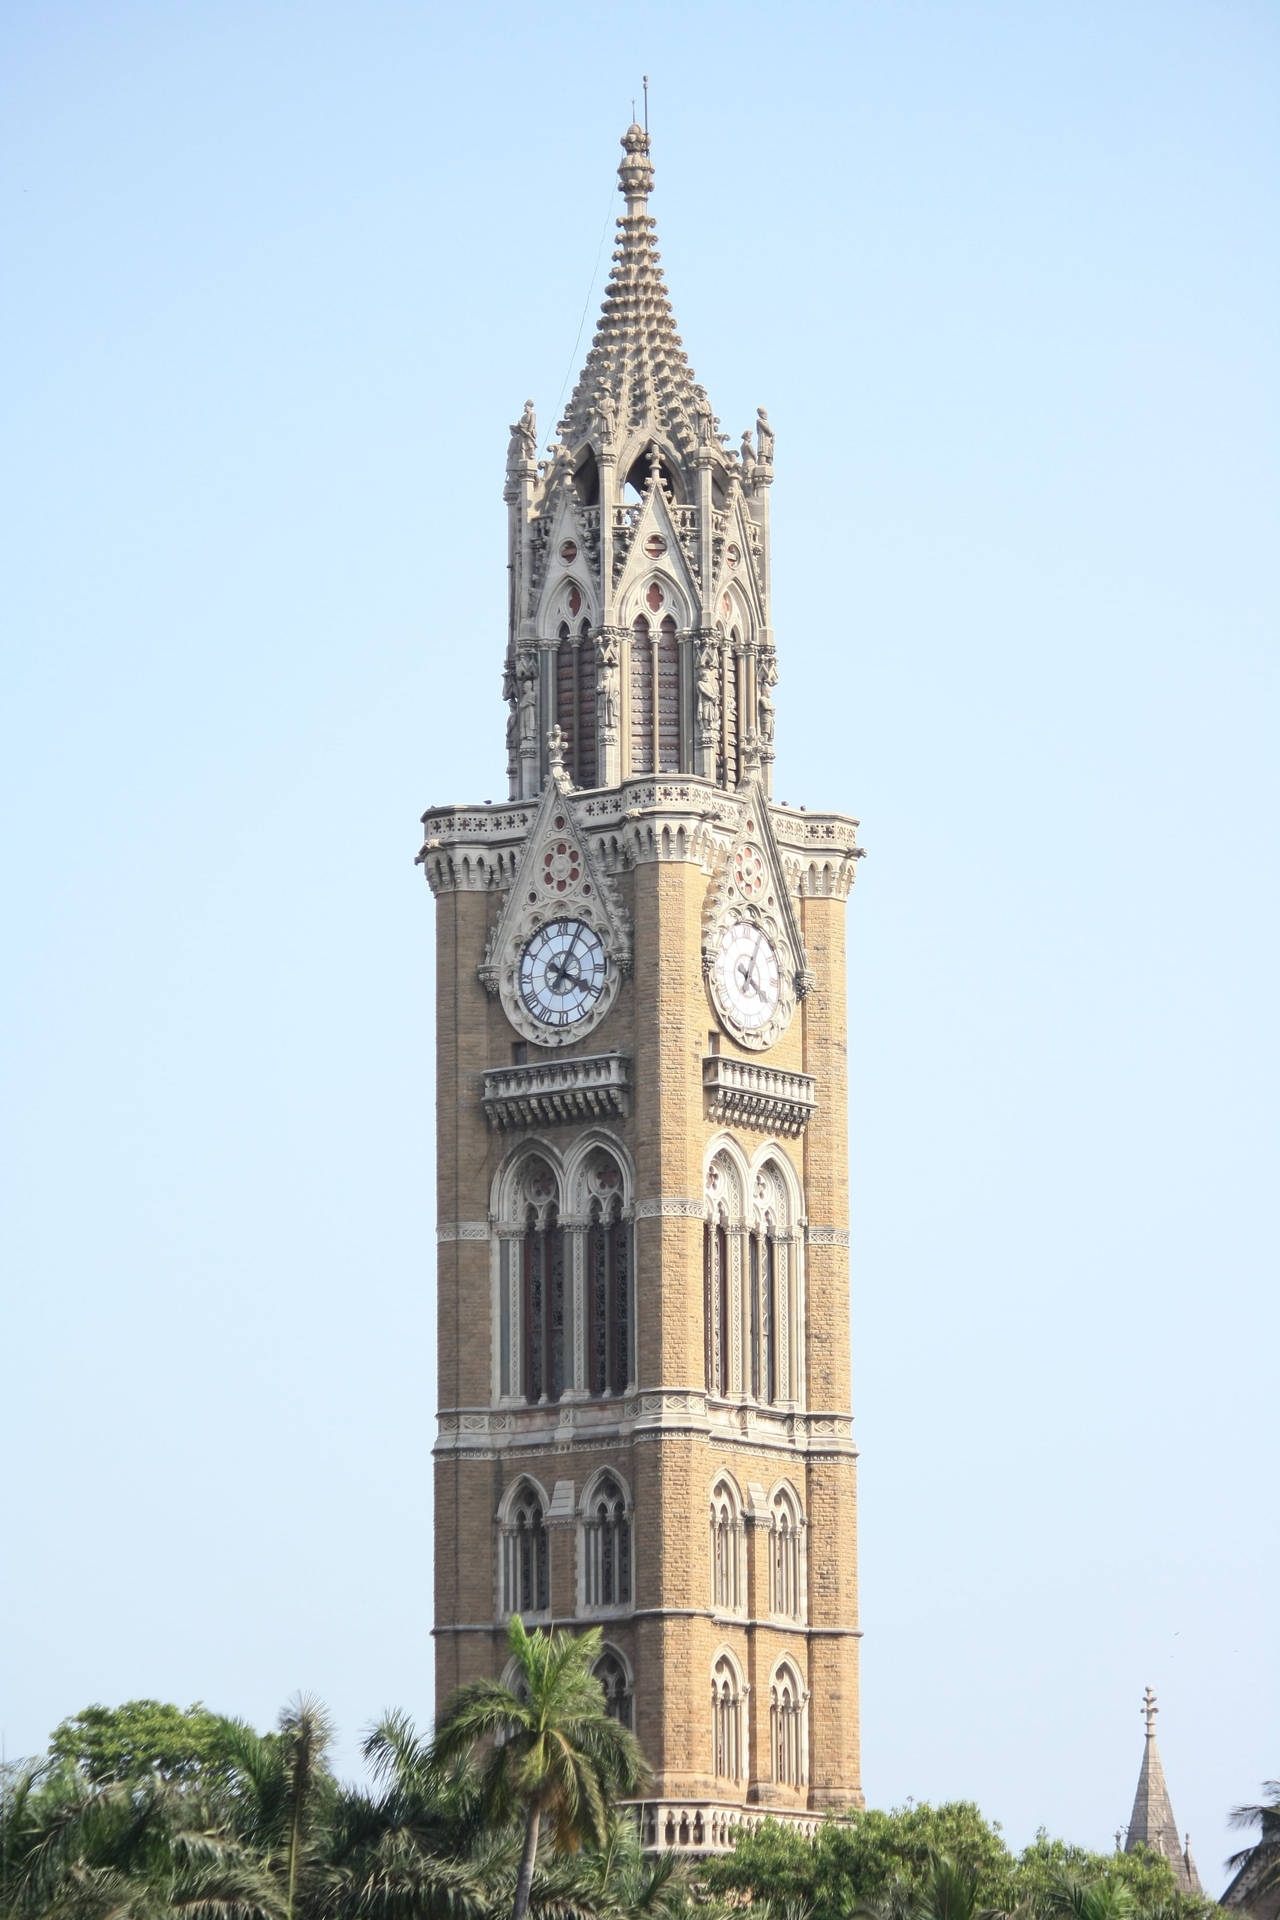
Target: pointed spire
1151, 1824
637, 374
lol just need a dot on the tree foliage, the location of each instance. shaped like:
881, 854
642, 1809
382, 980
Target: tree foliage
882, 1862
142, 1737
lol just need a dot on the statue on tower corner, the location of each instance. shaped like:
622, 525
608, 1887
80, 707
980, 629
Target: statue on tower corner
523, 446
764, 438
607, 416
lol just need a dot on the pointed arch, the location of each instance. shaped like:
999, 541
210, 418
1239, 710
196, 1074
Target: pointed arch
728, 1546
524, 1549
606, 1533
788, 1598
617, 1682
788, 1724
729, 1760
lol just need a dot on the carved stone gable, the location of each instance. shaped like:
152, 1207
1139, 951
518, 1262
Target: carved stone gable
556, 878
750, 888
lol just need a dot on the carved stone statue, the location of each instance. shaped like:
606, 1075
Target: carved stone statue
708, 692
607, 688
748, 452
766, 681
556, 744
607, 416
528, 671
524, 438
764, 437
703, 415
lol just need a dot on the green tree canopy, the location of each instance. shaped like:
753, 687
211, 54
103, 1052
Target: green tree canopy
142, 1737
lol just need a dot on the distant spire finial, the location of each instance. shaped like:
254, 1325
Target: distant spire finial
1149, 1712
645, 78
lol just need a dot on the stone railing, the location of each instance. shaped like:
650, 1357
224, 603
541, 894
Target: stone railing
557, 1090
709, 1826
760, 1097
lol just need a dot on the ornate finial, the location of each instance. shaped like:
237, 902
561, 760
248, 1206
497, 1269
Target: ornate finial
556, 744
1149, 1712
635, 173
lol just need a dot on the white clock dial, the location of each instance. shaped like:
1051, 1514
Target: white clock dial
747, 974
562, 972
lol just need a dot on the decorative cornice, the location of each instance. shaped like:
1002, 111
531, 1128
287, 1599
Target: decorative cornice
761, 1097
449, 1231
546, 1093
571, 1425
827, 1236
671, 1207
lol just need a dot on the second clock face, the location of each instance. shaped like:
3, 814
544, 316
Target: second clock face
747, 974
562, 972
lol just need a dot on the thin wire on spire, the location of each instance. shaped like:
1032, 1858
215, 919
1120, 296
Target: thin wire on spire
595, 274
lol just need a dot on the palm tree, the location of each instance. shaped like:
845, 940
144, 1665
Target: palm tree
1074, 1899
284, 1798
556, 1756
949, 1892
1261, 1861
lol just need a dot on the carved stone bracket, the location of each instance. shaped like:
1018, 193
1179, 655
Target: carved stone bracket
761, 1097
585, 1088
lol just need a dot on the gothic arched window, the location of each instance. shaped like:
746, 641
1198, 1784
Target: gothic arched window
786, 1726
611, 1671
526, 1582
584, 740
641, 697
721, 1257
727, 1744
728, 1548
668, 698
606, 1545
542, 1287
608, 1296
762, 1294
786, 1555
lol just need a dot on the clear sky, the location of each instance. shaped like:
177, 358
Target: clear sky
1005, 276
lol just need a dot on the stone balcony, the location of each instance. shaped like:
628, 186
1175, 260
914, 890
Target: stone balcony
759, 1097
702, 1827
547, 1092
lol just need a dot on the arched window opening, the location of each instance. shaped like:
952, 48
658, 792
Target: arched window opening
567, 695
727, 1550
729, 655
786, 1545
726, 1720
715, 1258
668, 698
611, 1672
608, 1298
763, 1309
585, 737
641, 697
586, 479
526, 1584
607, 1546
543, 1372
786, 1727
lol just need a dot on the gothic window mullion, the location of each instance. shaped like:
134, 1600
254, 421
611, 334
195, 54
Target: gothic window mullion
554, 1310
619, 1249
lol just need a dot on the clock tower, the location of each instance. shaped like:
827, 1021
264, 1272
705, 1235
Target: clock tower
643, 1265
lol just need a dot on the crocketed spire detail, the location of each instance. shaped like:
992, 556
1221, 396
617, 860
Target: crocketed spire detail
637, 372
1151, 1824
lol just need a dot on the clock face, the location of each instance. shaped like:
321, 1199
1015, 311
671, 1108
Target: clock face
562, 972
747, 974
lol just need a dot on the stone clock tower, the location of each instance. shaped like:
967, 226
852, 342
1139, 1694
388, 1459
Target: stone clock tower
641, 1096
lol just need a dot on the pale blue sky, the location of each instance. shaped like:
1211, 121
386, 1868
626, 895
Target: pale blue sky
1006, 278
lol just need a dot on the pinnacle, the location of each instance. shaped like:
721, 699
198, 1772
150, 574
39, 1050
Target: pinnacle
636, 356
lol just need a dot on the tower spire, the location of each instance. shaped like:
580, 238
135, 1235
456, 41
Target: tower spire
637, 365
1151, 1824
